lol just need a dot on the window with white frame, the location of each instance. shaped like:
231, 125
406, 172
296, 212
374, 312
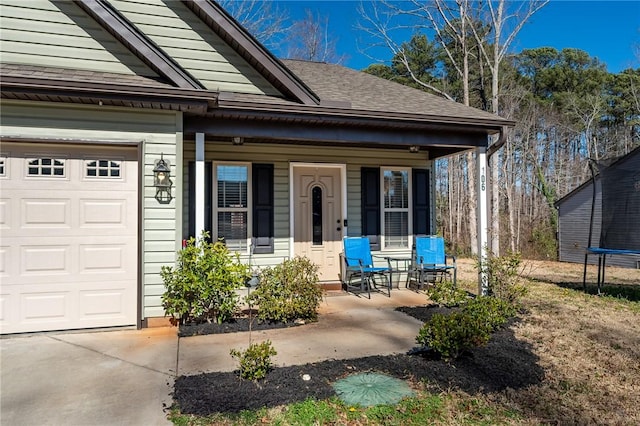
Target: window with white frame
395, 208
45, 167
232, 201
103, 169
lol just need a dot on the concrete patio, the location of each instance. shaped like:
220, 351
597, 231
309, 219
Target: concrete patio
126, 376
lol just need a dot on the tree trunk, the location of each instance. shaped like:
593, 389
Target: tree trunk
472, 197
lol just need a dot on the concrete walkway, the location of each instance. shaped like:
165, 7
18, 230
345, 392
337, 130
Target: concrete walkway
125, 377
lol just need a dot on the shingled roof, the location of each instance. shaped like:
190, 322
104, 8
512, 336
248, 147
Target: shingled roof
350, 93
362, 91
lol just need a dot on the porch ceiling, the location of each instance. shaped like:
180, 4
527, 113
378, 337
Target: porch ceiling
438, 139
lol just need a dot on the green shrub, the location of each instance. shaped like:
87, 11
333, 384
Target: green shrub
288, 291
490, 310
451, 335
202, 287
503, 274
444, 293
255, 362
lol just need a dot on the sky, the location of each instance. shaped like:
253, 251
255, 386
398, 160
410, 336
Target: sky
608, 30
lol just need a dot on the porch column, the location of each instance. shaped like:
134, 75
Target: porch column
482, 216
199, 178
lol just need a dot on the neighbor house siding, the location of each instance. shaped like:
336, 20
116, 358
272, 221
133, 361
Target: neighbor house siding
156, 132
60, 34
193, 45
574, 215
281, 156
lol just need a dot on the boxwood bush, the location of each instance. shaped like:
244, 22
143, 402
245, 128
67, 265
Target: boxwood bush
288, 291
471, 326
202, 286
255, 361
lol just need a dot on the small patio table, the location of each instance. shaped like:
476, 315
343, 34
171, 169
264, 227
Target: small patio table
399, 264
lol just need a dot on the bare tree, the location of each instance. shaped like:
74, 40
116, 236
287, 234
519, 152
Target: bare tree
504, 24
450, 24
263, 19
309, 39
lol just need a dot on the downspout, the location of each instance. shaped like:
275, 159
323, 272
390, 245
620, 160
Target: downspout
502, 139
593, 207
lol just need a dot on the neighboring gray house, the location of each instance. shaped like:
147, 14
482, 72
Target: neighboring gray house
287, 157
574, 213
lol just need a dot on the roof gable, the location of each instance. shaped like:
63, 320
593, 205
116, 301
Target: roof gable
60, 34
191, 44
195, 47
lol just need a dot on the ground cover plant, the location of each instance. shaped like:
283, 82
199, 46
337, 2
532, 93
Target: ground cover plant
568, 358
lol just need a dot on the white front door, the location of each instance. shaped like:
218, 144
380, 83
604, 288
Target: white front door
318, 220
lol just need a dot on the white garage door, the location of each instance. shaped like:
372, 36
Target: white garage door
68, 247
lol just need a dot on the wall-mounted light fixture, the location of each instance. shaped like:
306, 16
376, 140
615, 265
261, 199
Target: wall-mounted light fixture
414, 149
237, 140
162, 181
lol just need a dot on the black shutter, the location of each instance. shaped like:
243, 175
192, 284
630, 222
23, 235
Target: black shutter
263, 218
208, 198
370, 189
421, 204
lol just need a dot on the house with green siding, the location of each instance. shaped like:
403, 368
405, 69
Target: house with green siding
278, 158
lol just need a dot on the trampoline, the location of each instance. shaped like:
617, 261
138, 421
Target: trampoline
620, 230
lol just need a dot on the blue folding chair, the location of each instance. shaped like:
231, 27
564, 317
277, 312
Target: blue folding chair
429, 261
360, 272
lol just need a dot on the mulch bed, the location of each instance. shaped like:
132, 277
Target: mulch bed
504, 363
235, 326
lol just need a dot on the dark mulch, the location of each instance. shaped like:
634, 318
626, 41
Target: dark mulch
234, 326
424, 312
504, 363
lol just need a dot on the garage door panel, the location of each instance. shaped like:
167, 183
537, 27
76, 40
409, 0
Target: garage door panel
103, 213
45, 260
103, 258
107, 303
69, 243
47, 307
7, 307
5, 213
5, 261
45, 213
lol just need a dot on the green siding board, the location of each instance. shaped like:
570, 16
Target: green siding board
159, 224
167, 246
153, 268
62, 35
157, 213
53, 50
173, 21
167, 258
154, 290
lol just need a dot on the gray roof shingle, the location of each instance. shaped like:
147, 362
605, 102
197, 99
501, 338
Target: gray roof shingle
370, 93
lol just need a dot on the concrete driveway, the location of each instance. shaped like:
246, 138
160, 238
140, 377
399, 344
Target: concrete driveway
125, 377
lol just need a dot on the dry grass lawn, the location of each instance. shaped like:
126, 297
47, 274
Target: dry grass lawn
587, 345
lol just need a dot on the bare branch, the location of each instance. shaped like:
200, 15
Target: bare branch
265, 22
